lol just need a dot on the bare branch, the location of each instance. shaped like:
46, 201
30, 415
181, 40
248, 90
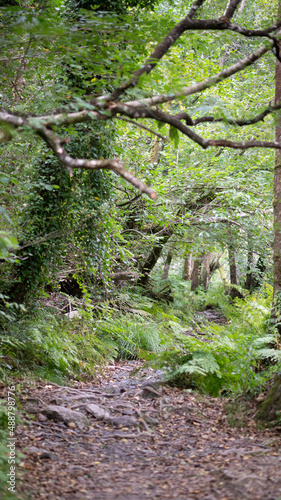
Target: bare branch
129, 202
185, 25
175, 122
194, 8
230, 9
70, 117
244, 145
144, 128
157, 114
50, 236
205, 84
241, 8
240, 123
161, 49
215, 220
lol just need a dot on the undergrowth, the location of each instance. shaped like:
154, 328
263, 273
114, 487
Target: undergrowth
53, 347
234, 357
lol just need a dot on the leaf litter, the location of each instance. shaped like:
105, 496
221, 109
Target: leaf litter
140, 439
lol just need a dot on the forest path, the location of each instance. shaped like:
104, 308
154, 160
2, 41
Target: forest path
146, 441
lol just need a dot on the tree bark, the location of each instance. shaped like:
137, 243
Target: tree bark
205, 271
232, 265
271, 407
187, 268
167, 265
210, 264
277, 192
195, 275
249, 282
233, 272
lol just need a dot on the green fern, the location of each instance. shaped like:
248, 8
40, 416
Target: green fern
270, 354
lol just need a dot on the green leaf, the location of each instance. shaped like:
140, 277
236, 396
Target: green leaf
175, 136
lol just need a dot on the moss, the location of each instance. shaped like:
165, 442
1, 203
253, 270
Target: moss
270, 408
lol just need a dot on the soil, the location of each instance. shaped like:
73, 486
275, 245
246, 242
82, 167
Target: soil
147, 440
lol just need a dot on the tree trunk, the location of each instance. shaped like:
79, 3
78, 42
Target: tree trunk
270, 409
233, 272
195, 275
259, 271
153, 258
232, 265
277, 197
205, 271
249, 282
187, 268
167, 265
210, 264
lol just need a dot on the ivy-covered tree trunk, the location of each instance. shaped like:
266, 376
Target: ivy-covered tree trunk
45, 225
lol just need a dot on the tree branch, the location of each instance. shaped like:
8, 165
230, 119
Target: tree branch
161, 49
129, 202
244, 145
144, 128
205, 84
230, 9
157, 114
55, 144
184, 25
240, 123
194, 8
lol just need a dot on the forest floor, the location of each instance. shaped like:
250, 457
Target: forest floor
125, 436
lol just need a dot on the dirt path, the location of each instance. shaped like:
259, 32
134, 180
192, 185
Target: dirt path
146, 441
